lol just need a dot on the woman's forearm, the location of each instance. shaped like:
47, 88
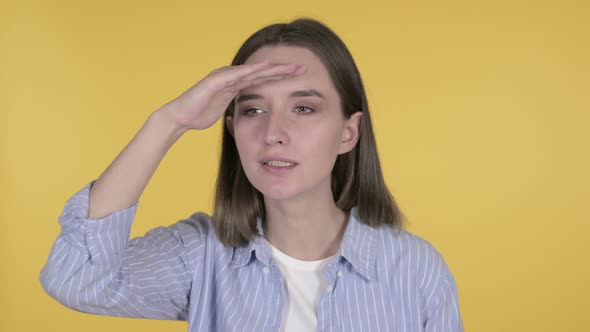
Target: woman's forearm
125, 179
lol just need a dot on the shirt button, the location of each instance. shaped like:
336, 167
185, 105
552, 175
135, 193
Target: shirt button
265, 269
339, 273
330, 288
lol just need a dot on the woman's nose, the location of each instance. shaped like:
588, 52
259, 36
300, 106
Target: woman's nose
275, 131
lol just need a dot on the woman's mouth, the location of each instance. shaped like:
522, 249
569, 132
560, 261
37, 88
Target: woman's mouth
278, 163
278, 166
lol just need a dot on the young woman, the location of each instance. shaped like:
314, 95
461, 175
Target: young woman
305, 235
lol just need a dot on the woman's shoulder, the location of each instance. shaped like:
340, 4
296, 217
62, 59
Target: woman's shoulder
410, 250
404, 240
393, 244
195, 232
197, 226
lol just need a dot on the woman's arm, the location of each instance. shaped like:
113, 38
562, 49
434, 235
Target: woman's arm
441, 303
93, 267
123, 182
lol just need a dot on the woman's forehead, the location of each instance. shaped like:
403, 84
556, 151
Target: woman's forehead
316, 75
289, 54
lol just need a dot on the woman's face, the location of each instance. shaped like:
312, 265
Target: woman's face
289, 132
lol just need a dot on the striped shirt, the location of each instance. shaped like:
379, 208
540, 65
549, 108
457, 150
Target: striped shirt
381, 279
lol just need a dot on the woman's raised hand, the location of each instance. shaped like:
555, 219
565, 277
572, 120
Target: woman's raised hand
204, 103
123, 182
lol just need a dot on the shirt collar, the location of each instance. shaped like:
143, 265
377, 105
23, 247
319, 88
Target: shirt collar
257, 245
358, 247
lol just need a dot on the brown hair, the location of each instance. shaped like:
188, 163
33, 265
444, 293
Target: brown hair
356, 178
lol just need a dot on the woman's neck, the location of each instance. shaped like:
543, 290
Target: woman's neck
306, 229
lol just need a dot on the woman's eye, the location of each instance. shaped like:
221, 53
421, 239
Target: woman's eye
303, 109
252, 111
298, 109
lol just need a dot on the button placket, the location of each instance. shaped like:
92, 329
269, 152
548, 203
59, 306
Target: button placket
332, 285
330, 288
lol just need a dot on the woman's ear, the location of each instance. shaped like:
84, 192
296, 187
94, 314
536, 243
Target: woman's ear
229, 122
351, 132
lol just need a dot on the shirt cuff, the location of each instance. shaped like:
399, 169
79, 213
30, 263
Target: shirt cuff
104, 238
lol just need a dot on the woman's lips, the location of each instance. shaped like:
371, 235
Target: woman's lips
278, 169
279, 163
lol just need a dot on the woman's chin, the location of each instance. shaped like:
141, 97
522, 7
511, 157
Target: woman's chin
277, 193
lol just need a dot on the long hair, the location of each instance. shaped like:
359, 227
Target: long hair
356, 178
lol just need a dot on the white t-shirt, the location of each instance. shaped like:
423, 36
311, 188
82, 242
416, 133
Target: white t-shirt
305, 283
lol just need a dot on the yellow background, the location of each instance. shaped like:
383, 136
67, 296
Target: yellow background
481, 111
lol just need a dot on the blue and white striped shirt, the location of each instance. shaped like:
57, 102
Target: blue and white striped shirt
380, 279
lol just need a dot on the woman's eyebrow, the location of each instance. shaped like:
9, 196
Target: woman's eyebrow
298, 93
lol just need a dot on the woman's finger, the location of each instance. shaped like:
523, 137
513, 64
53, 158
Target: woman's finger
282, 69
233, 77
278, 72
232, 73
259, 80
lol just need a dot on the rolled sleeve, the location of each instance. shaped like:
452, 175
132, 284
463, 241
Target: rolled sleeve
95, 267
105, 238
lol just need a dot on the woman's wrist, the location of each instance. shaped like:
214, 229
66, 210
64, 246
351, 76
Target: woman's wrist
166, 118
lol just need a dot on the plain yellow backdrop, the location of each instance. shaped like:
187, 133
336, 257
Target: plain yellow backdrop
481, 111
